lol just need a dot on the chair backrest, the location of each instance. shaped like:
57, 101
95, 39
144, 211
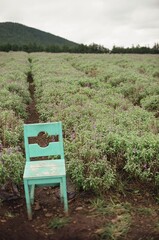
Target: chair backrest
54, 148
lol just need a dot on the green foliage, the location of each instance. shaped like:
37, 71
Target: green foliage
145, 211
142, 156
119, 228
20, 90
151, 103
11, 166
17, 37
136, 49
76, 169
107, 104
58, 223
14, 96
102, 125
13, 102
10, 128
96, 176
156, 74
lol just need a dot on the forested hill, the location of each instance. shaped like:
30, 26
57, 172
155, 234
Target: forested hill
15, 33
18, 37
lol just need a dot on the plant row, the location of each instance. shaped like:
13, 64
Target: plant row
14, 97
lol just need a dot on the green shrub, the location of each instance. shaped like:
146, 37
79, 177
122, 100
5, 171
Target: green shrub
20, 90
151, 103
10, 128
142, 154
13, 102
11, 166
96, 176
156, 74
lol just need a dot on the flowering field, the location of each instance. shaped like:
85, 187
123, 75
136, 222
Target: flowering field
109, 107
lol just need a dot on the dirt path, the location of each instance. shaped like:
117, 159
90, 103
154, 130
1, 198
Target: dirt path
33, 116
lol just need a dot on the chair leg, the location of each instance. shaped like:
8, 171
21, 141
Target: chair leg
64, 188
28, 202
61, 191
32, 190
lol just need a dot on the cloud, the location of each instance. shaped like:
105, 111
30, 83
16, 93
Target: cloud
105, 22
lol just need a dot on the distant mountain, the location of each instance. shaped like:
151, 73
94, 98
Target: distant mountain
15, 33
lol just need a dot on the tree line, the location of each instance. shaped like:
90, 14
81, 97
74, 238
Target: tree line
137, 49
80, 48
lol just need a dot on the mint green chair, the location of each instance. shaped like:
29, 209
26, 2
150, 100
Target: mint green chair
44, 172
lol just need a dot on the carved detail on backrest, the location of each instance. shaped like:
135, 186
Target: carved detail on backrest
43, 139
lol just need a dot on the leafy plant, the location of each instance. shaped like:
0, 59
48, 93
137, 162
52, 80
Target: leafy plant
10, 128
142, 157
12, 166
151, 103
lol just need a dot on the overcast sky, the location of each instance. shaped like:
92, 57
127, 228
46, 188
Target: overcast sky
105, 22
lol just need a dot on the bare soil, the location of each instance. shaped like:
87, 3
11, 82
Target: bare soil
84, 220
14, 223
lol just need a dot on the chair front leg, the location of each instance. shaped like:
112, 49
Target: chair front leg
27, 198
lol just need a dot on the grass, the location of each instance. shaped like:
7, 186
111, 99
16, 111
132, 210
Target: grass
117, 228
57, 223
8, 214
145, 211
119, 219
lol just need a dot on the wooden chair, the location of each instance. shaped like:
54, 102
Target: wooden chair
44, 172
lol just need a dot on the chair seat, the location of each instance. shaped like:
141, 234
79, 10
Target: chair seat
44, 169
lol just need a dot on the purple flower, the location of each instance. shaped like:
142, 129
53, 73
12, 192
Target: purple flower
145, 166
